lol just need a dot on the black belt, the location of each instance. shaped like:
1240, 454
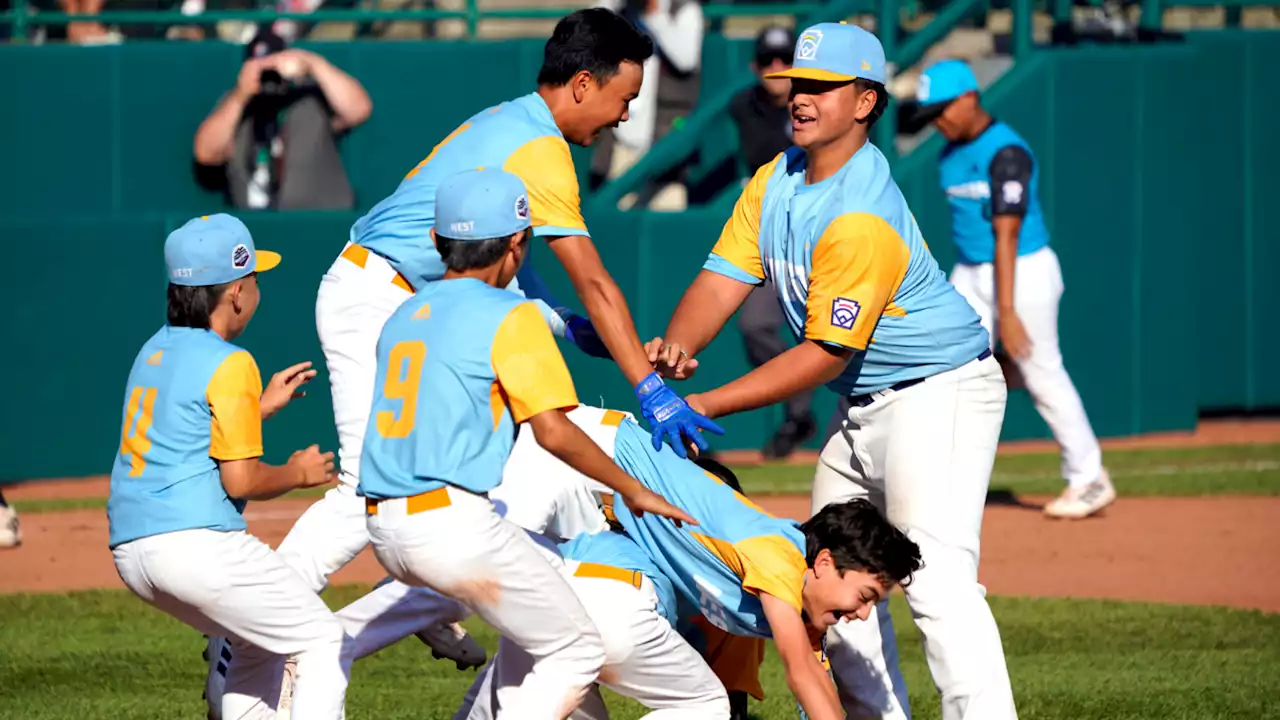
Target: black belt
865, 400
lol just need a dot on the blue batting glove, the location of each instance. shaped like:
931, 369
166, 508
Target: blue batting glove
670, 417
580, 332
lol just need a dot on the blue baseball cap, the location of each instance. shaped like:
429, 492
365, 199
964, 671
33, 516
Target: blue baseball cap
940, 84
481, 204
212, 250
836, 52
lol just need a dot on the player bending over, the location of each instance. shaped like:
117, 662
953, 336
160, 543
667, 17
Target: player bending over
460, 366
188, 462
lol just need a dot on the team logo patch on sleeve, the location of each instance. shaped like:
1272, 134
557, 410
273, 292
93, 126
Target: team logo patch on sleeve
844, 312
240, 256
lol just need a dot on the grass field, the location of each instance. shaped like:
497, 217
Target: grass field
1236, 470
105, 655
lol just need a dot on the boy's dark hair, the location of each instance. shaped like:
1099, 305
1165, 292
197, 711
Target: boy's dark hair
191, 305
882, 100
597, 40
859, 537
461, 255
719, 470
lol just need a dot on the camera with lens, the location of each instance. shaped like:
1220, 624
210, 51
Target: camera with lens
271, 83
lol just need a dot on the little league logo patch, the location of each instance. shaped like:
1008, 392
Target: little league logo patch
240, 256
807, 48
522, 208
844, 312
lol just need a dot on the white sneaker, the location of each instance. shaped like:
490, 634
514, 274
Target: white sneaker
452, 642
10, 531
1078, 503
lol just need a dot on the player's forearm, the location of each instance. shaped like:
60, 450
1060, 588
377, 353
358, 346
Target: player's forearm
612, 320
1006, 258
259, 481
812, 686
569, 444
706, 306
216, 134
803, 367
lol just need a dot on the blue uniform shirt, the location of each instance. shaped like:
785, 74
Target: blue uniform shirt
620, 551
520, 137
851, 270
192, 398
993, 174
721, 565
459, 365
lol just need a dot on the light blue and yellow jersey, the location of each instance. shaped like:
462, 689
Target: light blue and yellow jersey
460, 364
620, 551
735, 553
851, 270
192, 399
520, 137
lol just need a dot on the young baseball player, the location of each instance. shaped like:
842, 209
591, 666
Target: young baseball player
188, 462
462, 366
881, 326
592, 67
1008, 272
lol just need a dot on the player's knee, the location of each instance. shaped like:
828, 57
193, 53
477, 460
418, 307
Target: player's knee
713, 707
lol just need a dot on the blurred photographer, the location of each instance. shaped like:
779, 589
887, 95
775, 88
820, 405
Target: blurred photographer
271, 142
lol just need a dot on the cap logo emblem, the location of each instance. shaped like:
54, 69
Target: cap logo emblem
807, 47
922, 92
522, 208
240, 256
866, 65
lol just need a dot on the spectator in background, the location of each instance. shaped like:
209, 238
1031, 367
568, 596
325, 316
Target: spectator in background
764, 130
672, 79
271, 142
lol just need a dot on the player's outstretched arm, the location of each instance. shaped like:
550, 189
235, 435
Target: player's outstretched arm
807, 679
707, 305
566, 441
804, 367
252, 479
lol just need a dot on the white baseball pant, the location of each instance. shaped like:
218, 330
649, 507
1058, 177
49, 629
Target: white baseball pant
923, 455
645, 659
1037, 292
232, 584
466, 551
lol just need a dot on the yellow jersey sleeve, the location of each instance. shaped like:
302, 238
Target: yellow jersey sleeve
739, 243
858, 265
772, 565
735, 659
529, 367
234, 395
546, 167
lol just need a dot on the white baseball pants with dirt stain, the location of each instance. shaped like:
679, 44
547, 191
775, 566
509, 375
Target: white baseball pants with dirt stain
465, 551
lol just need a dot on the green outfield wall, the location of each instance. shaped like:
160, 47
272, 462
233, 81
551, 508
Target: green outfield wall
1158, 178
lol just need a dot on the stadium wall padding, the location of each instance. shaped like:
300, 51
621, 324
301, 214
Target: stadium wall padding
1158, 180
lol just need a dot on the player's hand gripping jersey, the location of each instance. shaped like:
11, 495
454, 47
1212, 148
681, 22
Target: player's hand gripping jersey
736, 552
520, 137
851, 268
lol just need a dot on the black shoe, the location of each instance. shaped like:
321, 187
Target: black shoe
737, 705
789, 436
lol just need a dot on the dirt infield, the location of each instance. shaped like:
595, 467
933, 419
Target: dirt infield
1208, 551
1155, 549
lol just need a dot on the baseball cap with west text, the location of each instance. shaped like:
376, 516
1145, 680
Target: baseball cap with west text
836, 52
481, 204
212, 250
